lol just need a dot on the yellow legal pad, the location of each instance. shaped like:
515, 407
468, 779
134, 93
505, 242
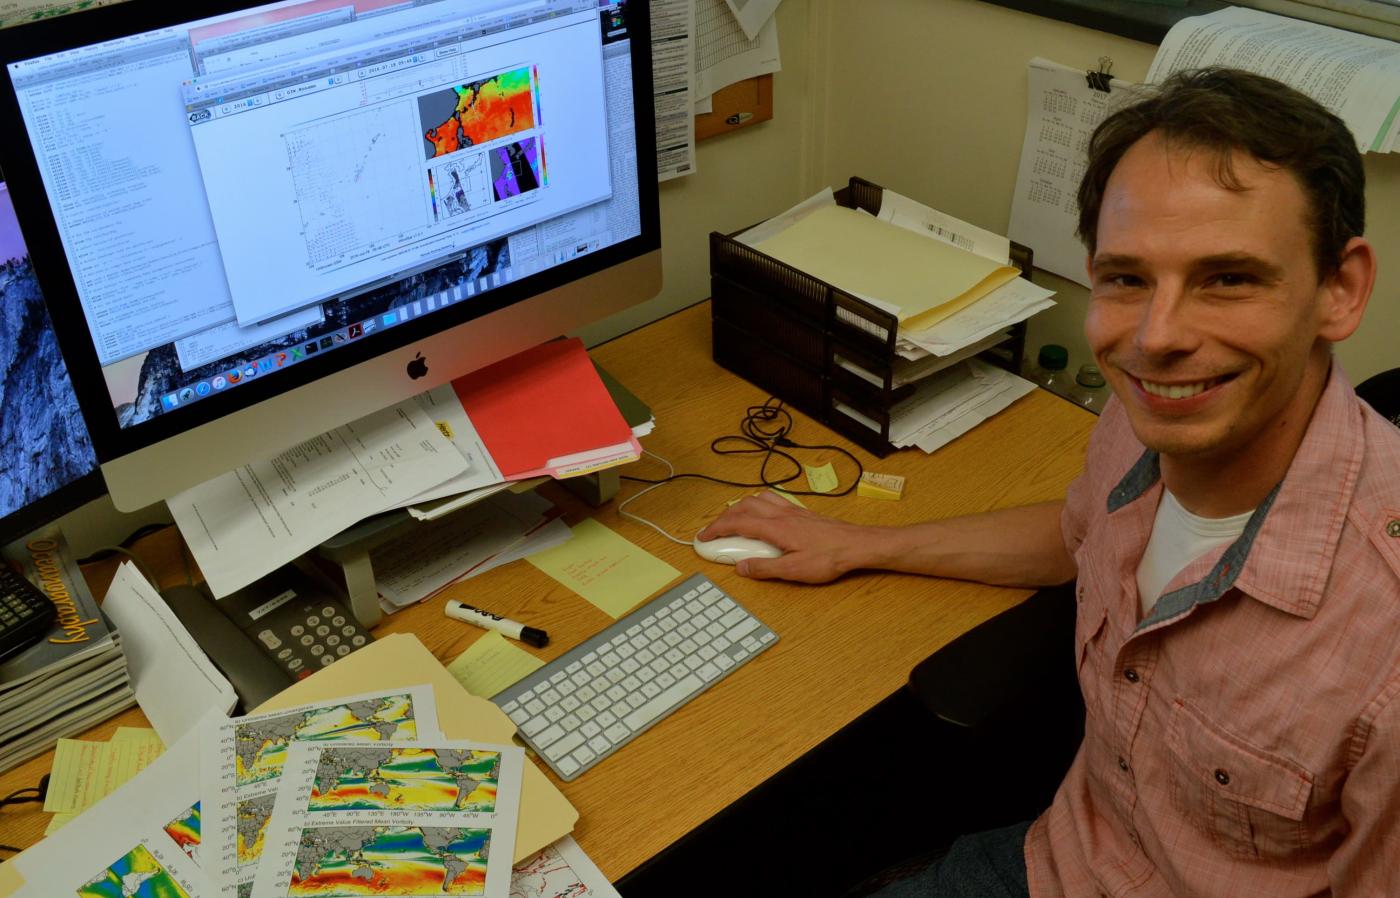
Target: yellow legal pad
927, 279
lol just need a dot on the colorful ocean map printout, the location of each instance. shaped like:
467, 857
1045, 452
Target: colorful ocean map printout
356, 819
138, 842
184, 829
136, 874
477, 112
560, 870
246, 757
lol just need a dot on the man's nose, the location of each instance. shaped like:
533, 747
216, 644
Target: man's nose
1165, 325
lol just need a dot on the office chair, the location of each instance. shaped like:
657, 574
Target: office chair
1382, 393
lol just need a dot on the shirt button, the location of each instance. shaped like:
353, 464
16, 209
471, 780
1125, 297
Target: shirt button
1123, 765
1392, 528
1131, 675
1222, 777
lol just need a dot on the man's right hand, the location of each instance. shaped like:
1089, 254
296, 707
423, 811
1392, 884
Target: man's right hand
816, 549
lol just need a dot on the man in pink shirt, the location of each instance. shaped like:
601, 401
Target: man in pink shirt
1235, 535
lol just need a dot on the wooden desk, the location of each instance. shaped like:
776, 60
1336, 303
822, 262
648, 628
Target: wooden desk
842, 647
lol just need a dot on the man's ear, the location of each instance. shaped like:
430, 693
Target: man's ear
1345, 293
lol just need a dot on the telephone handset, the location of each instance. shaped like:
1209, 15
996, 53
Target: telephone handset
269, 634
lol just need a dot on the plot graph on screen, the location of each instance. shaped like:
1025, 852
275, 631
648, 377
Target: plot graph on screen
353, 182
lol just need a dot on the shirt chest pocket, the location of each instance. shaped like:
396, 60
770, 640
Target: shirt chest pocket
1250, 802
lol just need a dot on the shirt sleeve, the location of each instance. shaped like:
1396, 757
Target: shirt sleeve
1368, 860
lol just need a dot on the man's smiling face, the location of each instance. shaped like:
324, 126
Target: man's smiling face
1206, 307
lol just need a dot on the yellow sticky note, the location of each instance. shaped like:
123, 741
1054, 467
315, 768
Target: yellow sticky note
880, 486
137, 734
607, 570
129, 757
77, 771
779, 491
491, 664
821, 479
59, 820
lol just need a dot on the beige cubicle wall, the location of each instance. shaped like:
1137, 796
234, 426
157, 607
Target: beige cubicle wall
928, 97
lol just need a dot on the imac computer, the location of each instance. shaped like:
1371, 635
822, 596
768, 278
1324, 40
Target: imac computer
47, 465
254, 223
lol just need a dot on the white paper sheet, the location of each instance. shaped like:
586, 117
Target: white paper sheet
752, 15
157, 811
430, 556
253, 520
418, 819
442, 405
175, 682
561, 870
1062, 112
724, 55
1355, 76
1012, 302
673, 84
243, 759
779, 223
915, 216
952, 402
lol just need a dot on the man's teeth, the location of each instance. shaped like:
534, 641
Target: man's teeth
1174, 391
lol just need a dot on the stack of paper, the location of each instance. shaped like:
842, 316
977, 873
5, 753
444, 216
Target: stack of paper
544, 412
500, 529
71, 679
365, 785
949, 283
1355, 76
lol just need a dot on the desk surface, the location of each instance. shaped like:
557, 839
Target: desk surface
843, 647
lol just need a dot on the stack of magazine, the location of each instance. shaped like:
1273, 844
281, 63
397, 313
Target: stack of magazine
74, 677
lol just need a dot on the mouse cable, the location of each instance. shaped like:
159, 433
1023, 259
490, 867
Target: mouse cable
764, 429
654, 484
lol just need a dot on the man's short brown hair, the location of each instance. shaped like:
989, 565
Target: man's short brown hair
1221, 110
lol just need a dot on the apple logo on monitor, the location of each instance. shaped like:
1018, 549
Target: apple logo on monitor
418, 367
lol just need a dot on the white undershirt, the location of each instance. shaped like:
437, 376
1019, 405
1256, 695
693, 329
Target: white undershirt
1179, 538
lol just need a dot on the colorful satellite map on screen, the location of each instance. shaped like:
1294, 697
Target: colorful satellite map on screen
477, 112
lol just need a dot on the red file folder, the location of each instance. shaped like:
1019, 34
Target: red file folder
545, 411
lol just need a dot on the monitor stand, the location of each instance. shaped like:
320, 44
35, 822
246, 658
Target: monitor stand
349, 550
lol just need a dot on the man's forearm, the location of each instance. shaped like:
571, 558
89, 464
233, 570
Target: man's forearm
1008, 547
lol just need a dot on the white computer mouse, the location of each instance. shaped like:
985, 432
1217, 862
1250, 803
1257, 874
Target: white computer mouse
734, 549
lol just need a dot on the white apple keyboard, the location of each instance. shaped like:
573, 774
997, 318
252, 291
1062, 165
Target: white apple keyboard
597, 697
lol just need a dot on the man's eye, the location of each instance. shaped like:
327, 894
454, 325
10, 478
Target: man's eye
1123, 281
1230, 279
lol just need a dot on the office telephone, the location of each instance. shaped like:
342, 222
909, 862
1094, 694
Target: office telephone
270, 634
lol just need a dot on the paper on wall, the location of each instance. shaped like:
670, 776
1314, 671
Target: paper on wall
1062, 113
1357, 77
243, 759
752, 15
425, 818
724, 55
256, 518
673, 86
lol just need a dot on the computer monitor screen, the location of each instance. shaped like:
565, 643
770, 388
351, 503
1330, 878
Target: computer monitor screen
47, 466
257, 222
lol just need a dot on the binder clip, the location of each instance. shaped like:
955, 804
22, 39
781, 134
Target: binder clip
1099, 80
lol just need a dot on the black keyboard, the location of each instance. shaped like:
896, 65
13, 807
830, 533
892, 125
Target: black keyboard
26, 614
